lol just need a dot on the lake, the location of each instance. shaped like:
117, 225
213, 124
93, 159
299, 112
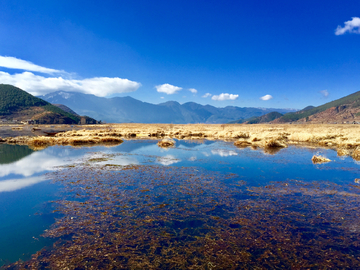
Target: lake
201, 204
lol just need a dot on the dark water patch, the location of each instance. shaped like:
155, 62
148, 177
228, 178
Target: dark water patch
13, 153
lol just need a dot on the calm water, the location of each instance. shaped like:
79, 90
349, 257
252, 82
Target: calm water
35, 183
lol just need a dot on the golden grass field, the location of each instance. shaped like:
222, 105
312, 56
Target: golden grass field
344, 138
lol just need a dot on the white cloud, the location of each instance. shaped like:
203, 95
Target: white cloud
225, 96
167, 88
193, 90
325, 93
207, 95
266, 97
162, 97
15, 63
39, 85
352, 26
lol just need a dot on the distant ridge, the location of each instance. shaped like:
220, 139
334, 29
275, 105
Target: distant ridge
128, 109
260, 119
345, 109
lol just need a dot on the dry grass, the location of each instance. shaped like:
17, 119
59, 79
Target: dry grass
166, 143
274, 143
344, 138
356, 153
42, 141
343, 152
319, 159
242, 143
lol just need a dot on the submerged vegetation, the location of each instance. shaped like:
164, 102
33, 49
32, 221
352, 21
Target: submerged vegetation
156, 217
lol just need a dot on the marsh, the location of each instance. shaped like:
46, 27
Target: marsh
205, 205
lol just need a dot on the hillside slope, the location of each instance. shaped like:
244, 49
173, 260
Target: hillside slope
260, 119
65, 109
345, 109
16, 104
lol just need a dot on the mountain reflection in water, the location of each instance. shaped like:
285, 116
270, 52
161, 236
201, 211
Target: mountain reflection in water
206, 206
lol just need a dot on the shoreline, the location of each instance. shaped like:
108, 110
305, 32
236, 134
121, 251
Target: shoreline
344, 139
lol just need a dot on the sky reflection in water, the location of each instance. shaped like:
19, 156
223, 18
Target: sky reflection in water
24, 189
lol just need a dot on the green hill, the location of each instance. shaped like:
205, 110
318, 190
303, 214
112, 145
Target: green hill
352, 100
13, 98
265, 118
260, 119
20, 105
65, 108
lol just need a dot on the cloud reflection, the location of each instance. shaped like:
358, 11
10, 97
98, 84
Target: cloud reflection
32, 164
15, 184
224, 153
167, 160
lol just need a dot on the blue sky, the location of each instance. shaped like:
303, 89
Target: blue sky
289, 53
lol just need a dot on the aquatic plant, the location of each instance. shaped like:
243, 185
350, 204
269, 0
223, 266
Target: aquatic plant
156, 217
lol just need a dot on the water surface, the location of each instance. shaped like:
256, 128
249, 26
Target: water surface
139, 205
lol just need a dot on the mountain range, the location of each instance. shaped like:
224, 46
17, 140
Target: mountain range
128, 109
343, 110
66, 107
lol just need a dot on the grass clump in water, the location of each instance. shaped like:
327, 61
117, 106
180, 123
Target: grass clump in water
319, 159
166, 143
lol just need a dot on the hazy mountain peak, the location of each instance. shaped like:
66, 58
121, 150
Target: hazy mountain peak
170, 103
128, 109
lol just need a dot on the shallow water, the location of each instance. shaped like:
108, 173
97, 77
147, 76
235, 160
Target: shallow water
182, 198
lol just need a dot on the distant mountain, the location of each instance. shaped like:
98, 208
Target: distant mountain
128, 109
346, 109
266, 118
307, 108
16, 104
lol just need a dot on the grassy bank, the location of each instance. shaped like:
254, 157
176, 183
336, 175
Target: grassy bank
344, 138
